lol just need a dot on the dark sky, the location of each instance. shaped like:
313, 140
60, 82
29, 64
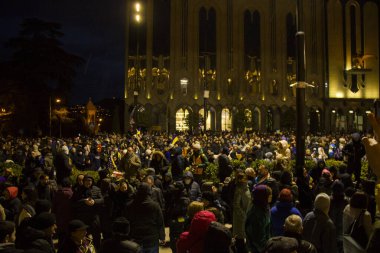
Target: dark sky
94, 30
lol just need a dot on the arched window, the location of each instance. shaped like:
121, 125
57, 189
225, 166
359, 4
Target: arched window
181, 120
208, 120
226, 120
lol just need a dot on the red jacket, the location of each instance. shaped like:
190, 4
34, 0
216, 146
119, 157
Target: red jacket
193, 240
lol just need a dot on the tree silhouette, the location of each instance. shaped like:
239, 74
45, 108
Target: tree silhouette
38, 70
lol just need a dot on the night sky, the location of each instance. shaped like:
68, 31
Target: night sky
93, 30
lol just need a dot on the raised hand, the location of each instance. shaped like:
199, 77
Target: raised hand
372, 146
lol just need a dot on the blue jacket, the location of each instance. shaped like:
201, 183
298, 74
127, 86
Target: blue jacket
279, 212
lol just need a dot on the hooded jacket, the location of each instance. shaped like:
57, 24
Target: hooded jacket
145, 217
193, 240
12, 204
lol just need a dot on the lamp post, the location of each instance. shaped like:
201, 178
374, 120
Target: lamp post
138, 18
300, 92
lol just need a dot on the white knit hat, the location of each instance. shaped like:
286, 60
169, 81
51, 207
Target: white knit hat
322, 203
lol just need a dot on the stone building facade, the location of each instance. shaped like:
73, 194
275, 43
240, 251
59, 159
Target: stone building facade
235, 59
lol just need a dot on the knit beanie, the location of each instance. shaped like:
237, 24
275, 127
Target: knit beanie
322, 203
44, 220
260, 196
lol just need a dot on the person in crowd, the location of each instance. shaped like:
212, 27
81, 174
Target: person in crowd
212, 204
38, 234
178, 164
218, 238
63, 164
224, 164
281, 210
156, 193
198, 162
192, 188
62, 207
264, 178
86, 203
123, 195
318, 228
44, 188
146, 220
257, 225
130, 163
345, 178
357, 209
354, 152
76, 240
10, 202
27, 210
120, 241
292, 240
369, 186
159, 163
192, 209
7, 237
241, 204
338, 202
193, 241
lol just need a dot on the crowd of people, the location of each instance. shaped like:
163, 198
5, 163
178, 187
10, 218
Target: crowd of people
147, 182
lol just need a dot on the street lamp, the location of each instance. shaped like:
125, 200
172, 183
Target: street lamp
138, 20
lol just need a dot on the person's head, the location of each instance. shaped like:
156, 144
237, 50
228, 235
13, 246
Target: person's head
322, 203
42, 205
130, 150
45, 222
188, 178
149, 180
293, 224
80, 178
250, 172
29, 194
261, 196
208, 198
194, 207
123, 186
88, 181
285, 195
44, 179
241, 177
77, 230
359, 200
7, 232
10, 193
262, 171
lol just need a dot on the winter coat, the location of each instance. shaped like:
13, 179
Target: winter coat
224, 166
35, 239
118, 246
129, 164
146, 219
193, 240
178, 164
241, 204
83, 212
320, 230
62, 208
257, 228
279, 212
13, 204
62, 164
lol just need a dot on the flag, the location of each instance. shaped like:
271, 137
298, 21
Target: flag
174, 141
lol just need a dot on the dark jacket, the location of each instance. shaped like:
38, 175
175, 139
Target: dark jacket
146, 219
88, 214
320, 230
36, 239
63, 166
225, 167
13, 204
62, 208
118, 246
68, 246
178, 164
